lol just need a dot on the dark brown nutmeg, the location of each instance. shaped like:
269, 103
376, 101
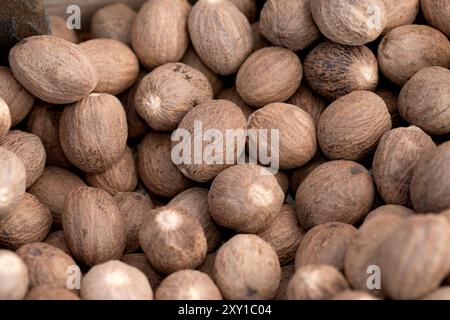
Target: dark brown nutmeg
208, 265
85, 210
351, 126
173, 240
287, 272
436, 12
308, 102
325, 244
300, 174
260, 41
397, 154
139, 261
48, 292
13, 181
336, 191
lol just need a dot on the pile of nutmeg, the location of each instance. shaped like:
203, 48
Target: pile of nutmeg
98, 202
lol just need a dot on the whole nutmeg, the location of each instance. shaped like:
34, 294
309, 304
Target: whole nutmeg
218, 116
13, 181
399, 13
5, 118
390, 97
160, 32
397, 154
33, 62
308, 102
122, 176
287, 272
140, 262
269, 75
247, 268
93, 132
300, 174
43, 121
221, 35
93, 226
115, 280
333, 70
388, 210
260, 41
208, 264
351, 127
173, 240
443, 293
325, 244
245, 198
116, 64
289, 23
53, 187
430, 184
283, 181
316, 282
59, 29
13, 276
29, 149
436, 12
156, 169
354, 295
19, 100
57, 240
350, 22
232, 95
408, 49
284, 234
29, 222
168, 93
414, 258
247, 7
134, 208
296, 129
419, 107
336, 191
195, 202
46, 264
48, 292
188, 285
113, 21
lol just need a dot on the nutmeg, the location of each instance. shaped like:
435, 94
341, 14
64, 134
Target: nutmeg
408, 49
247, 7
245, 198
232, 95
436, 12
269, 75
5, 118
443, 293
48, 292
93, 132
260, 41
208, 264
336, 191
390, 97
33, 62
351, 127
160, 32
115, 280
140, 262
13, 181
297, 133
86, 208
308, 102
59, 29
57, 240
283, 181
188, 285
289, 23
399, 13
287, 272
388, 210
221, 35
333, 70
169, 92
13, 276
173, 240
300, 174
354, 295
247, 268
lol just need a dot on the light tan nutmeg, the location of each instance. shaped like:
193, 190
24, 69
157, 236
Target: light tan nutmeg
245, 198
140, 262
113, 21
408, 49
168, 93
93, 132
29, 222
443, 293
156, 169
173, 240
46, 264
351, 127
306, 100
116, 64
29, 149
437, 14
5, 118
336, 191
350, 22
399, 13
397, 154
247, 268
93, 226
115, 280
188, 285
33, 62
57, 240
390, 210
13, 276
53, 187
269, 75
316, 282
221, 35
48, 292
296, 134
354, 295
17, 98
195, 202
59, 29
289, 23
13, 181
160, 32
122, 176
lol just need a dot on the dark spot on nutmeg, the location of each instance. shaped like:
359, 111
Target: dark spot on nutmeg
251, 292
35, 252
177, 68
84, 232
355, 170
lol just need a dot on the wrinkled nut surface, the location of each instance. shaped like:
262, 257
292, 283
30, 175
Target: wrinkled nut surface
59, 29
399, 13
436, 12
